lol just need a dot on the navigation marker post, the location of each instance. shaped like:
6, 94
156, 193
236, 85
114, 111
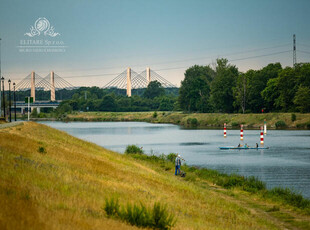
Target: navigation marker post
224, 129
241, 133
28, 100
261, 136
265, 127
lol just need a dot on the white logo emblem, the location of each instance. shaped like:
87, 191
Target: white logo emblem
42, 25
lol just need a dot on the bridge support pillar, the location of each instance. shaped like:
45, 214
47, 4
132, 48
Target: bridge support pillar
128, 82
33, 87
22, 110
148, 75
53, 86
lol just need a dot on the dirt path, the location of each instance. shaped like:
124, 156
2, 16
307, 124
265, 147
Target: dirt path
282, 218
11, 124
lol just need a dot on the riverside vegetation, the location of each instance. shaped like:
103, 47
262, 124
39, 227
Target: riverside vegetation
49, 179
199, 120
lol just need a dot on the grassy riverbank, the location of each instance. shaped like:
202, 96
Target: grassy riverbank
201, 120
51, 180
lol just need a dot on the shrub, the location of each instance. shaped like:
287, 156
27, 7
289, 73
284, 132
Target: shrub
112, 207
293, 117
161, 218
41, 149
141, 216
133, 149
192, 122
274, 209
280, 124
253, 184
171, 157
155, 114
234, 124
136, 215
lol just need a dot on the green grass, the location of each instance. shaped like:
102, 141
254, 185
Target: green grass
68, 186
139, 215
229, 181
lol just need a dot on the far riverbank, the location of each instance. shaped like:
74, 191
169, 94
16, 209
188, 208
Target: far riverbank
201, 120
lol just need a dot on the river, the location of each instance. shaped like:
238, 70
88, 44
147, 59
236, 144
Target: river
286, 163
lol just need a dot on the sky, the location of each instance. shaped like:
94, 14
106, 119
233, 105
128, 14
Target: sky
99, 39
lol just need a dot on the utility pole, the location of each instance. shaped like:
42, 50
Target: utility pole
294, 51
3, 98
14, 101
10, 103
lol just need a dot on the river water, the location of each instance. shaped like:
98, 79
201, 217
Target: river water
286, 163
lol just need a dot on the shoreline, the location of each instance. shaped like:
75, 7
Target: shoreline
274, 121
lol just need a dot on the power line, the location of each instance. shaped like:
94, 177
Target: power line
239, 59
306, 52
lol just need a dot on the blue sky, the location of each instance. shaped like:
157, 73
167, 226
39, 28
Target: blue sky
103, 38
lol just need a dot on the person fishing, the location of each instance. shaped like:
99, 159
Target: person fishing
178, 165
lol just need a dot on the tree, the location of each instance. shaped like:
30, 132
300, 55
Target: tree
154, 89
287, 88
166, 104
194, 92
222, 86
271, 94
302, 99
258, 82
107, 104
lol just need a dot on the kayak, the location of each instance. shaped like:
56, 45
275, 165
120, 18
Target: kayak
232, 147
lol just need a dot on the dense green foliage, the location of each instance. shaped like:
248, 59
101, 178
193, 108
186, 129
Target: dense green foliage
95, 99
225, 89
133, 149
157, 217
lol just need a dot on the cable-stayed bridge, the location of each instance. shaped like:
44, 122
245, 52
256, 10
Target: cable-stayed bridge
127, 80
130, 79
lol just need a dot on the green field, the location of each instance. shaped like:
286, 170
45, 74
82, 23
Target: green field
51, 180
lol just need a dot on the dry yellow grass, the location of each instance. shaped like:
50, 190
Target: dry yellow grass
66, 187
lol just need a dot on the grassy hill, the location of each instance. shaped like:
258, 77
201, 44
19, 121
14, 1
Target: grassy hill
51, 180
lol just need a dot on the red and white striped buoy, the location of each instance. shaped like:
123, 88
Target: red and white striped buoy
224, 129
261, 136
241, 133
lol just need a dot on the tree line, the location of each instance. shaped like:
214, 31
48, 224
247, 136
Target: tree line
225, 89
154, 97
204, 89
